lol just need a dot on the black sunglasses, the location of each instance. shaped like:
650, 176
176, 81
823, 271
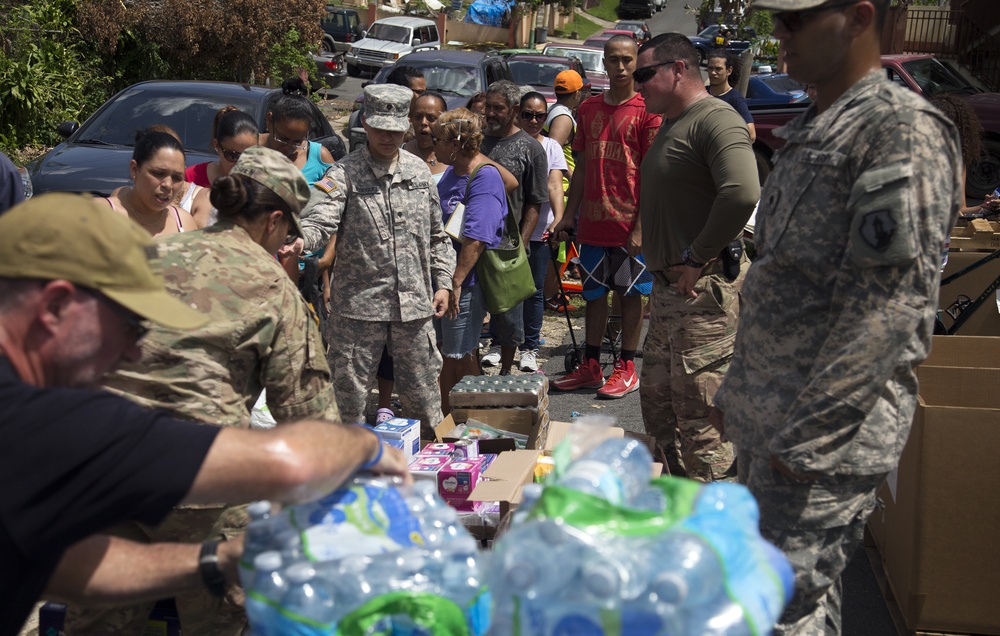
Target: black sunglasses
532, 116
646, 73
135, 323
793, 21
231, 155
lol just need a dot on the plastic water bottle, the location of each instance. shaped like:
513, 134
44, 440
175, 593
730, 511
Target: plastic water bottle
688, 569
541, 560
719, 618
617, 572
266, 592
616, 470
530, 494
263, 534
308, 607
649, 499
350, 585
461, 572
731, 499
441, 526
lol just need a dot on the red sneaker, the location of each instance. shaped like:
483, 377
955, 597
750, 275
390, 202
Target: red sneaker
623, 381
555, 303
586, 376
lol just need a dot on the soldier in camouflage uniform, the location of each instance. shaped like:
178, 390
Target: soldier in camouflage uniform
698, 188
261, 336
838, 307
394, 262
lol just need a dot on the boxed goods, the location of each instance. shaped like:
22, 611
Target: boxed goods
458, 478
405, 431
517, 405
936, 526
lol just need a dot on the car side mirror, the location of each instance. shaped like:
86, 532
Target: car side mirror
417, 42
67, 128
364, 34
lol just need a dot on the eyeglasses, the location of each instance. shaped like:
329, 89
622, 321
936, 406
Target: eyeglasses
793, 21
231, 155
291, 143
134, 322
646, 73
528, 115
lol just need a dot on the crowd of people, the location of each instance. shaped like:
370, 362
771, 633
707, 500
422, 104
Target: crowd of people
766, 372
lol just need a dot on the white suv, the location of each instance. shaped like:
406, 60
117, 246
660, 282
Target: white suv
389, 39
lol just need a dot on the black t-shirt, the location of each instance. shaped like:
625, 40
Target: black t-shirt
72, 463
525, 158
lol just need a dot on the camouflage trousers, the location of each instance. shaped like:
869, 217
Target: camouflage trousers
355, 350
200, 612
685, 356
818, 526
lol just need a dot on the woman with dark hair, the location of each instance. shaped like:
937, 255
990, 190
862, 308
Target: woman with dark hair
457, 136
189, 190
157, 172
261, 335
233, 131
424, 112
288, 131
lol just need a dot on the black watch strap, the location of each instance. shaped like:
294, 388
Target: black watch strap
208, 565
688, 259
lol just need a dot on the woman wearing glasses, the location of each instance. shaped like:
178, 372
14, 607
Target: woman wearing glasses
260, 335
157, 172
288, 131
233, 131
457, 136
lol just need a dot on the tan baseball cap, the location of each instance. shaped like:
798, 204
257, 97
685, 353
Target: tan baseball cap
72, 237
785, 5
277, 173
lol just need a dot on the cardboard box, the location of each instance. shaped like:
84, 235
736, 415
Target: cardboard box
406, 431
442, 449
936, 531
513, 420
503, 480
986, 320
458, 478
428, 466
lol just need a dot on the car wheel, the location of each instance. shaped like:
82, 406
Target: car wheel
763, 165
327, 46
353, 70
984, 175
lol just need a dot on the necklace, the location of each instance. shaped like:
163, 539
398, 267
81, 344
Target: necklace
429, 162
127, 202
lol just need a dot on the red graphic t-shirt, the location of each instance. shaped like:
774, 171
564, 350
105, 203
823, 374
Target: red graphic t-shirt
614, 140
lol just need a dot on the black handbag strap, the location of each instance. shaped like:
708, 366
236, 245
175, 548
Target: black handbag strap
510, 225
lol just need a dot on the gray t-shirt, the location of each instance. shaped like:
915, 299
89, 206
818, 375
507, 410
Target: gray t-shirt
525, 158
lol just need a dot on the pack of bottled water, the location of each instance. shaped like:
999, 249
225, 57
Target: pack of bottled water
373, 557
603, 549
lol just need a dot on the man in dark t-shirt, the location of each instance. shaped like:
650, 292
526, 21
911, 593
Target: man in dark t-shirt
720, 84
77, 280
524, 157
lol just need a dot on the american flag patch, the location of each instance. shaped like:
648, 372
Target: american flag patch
326, 185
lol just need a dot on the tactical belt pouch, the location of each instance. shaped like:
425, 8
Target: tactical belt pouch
730, 258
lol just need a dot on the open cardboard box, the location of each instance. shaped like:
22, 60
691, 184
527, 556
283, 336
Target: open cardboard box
936, 531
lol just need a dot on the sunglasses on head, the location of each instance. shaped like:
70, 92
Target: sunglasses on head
794, 20
646, 73
528, 115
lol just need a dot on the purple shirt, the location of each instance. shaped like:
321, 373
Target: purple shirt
485, 209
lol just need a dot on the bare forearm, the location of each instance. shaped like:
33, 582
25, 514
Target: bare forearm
556, 195
105, 570
471, 250
529, 222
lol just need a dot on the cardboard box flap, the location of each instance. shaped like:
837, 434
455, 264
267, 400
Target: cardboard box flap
502, 481
982, 352
959, 387
558, 431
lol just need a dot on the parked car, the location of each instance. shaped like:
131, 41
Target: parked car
341, 28
597, 42
95, 156
457, 75
705, 41
636, 8
592, 59
539, 72
617, 31
634, 26
388, 40
769, 89
331, 71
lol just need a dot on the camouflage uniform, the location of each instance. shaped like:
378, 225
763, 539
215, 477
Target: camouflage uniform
838, 308
707, 153
392, 255
261, 335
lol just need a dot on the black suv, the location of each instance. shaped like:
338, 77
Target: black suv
636, 8
340, 27
457, 75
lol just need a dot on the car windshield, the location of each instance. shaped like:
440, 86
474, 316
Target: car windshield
190, 115
592, 62
933, 77
535, 73
389, 32
455, 79
784, 84
709, 31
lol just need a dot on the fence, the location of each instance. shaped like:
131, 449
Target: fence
953, 35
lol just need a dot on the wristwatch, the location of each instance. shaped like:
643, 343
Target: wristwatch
688, 260
208, 565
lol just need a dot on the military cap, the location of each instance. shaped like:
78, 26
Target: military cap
278, 174
387, 107
787, 5
60, 236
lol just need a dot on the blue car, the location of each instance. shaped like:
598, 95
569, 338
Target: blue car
705, 41
771, 89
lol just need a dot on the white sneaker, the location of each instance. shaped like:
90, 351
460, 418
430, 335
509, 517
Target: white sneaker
492, 357
529, 360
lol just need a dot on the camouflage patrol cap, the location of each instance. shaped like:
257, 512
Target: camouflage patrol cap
387, 107
61, 236
277, 173
785, 5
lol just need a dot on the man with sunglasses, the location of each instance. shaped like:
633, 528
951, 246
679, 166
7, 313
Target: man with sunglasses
839, 305
614, 131
77, 282
699, 186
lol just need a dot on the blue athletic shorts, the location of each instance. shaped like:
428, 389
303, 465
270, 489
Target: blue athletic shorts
605, 269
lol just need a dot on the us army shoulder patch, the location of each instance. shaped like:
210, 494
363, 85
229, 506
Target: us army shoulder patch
326, 185
877, 229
